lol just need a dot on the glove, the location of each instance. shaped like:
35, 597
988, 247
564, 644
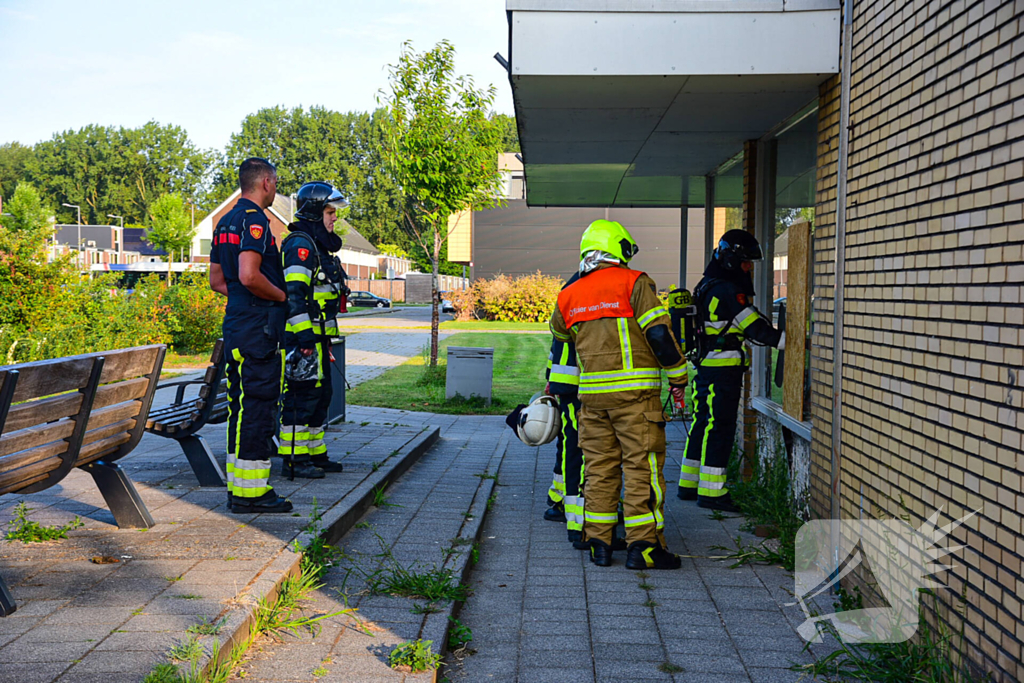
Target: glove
678, 393
782, 342
307, 352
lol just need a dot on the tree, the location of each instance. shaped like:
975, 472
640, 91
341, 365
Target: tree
320, 144
13, 159
441, 148
509, 132
118, 170
28, 213
171, 229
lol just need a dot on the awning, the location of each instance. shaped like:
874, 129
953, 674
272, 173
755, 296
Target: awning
633, 102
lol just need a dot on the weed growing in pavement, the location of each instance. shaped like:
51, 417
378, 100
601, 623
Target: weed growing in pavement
650, 602
21, 528
935, 655
644, 586
458, 634
375, 465
188, 596
767, 500
172, 579
186, 650
490, 501
418, 655
363, 525
485, 475
459, 540
474, 555
322, 670
163, 673
391, 578
717, 516
380, 500
206, 627
670, 668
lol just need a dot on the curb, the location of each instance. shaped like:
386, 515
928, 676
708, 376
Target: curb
436, 626
336, 521
372, 311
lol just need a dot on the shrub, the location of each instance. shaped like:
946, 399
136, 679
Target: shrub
199, 312
528, 298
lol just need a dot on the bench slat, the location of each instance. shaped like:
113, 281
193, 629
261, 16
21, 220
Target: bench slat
42, 411
15, 479
128, 363
98, 449
30, 438
109, 394
158, 414
47, 377
20, 459
108, 416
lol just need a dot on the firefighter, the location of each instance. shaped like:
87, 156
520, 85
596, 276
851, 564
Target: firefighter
728, 318
622, 337
245, 266
564, 382
315, 284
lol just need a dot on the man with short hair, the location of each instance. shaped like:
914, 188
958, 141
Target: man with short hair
245, 266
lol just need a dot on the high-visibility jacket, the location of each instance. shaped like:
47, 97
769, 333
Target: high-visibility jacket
729, 319
606, 314
315, 283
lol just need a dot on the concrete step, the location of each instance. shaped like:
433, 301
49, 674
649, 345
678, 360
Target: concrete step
432, 521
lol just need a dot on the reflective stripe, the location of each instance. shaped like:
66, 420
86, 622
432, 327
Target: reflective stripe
627, 349
601, 517
620, 386
713, 308
639, 520
298, 319
560, 337
595, 377
715, 325
571, 380
298, 270
689, 472
565, 369
745, 317
659, 495
676, 373
712, 474
651, 315
297, 277
723, 358
237, 355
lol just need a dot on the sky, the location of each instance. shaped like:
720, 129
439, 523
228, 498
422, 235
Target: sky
205, 65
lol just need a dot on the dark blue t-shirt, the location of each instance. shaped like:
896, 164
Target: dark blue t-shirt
245, 228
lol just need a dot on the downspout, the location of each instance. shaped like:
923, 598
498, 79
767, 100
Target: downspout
840, 258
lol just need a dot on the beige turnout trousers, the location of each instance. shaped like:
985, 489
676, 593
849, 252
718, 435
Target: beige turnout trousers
624, 442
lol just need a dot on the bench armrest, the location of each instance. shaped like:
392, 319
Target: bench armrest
180, 395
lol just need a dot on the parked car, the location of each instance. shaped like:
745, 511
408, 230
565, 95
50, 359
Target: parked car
446, 303
368, 300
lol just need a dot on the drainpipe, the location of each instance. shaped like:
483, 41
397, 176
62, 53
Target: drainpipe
840, 259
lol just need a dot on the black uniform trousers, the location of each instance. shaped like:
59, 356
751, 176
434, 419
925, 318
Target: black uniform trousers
255, 371
304, 414
716, 399
570, 461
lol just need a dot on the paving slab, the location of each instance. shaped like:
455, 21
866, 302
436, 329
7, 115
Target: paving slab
413, 532
198, 562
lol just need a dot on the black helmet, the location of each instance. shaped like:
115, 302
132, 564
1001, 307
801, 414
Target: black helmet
735, 247
314, 197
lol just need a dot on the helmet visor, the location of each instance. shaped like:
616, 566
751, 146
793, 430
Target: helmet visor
336, 200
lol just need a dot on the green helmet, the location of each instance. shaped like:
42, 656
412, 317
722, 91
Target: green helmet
609, 237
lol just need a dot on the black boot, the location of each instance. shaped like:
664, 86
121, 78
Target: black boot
555, 513
575, 537
269, 502
721, 503
618, 543
686, 493
644, 555
600, 553
304, 470
327, 465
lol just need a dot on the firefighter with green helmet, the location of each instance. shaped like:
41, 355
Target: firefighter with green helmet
621, 332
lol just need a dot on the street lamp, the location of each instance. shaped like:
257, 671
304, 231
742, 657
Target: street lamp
76, 206
120, 237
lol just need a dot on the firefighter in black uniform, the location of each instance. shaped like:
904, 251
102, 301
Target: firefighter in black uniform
315, 284
245, 266
728, 319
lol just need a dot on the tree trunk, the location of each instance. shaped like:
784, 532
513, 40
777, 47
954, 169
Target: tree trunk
434, 318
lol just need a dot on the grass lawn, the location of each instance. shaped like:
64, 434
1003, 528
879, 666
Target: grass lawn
519, 364
199, 360
485, 325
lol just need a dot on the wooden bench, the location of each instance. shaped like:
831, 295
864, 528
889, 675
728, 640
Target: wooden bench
84, 411
182, 419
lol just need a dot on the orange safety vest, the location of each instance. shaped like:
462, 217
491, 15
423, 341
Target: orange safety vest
604, 293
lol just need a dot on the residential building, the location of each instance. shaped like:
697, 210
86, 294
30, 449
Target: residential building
899, 127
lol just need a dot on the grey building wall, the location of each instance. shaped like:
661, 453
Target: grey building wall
518, 240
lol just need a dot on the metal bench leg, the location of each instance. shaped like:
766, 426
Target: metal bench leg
120, 494
7, 605
203, 463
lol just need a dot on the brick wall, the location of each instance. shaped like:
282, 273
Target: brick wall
934, 271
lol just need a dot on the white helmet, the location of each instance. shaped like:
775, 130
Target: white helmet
538, 422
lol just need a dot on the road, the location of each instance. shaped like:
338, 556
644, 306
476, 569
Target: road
376, 343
